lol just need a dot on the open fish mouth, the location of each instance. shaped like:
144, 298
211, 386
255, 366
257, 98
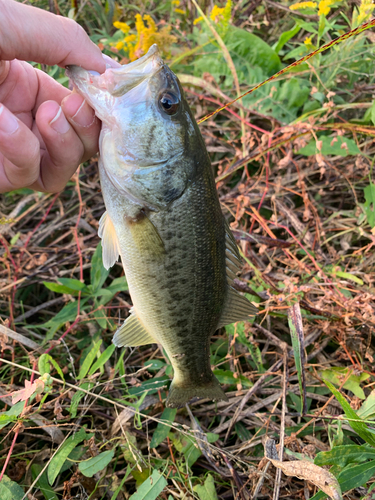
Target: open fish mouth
117, 81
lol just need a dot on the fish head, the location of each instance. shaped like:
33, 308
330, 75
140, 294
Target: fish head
146, 120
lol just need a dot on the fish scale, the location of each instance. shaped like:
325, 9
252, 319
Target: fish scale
163, 217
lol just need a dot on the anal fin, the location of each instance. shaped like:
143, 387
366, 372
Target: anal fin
237, 308
110, 244
132, 333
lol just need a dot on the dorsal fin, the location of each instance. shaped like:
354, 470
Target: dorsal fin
110, 244
132, 333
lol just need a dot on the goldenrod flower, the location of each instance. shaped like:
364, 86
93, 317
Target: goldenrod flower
325, 7
365, 10
303, 5
125, 28
176, 2
198, 20
180, 11
307, 41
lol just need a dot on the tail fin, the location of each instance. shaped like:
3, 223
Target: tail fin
179, 396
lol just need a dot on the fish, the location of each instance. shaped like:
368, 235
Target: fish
163, 217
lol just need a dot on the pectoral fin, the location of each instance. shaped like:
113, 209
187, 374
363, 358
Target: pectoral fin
132, 333
145, 236
237, 308
110, 244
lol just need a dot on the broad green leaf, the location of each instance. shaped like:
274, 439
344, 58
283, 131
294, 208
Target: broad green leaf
162, 431
89, 359
73, 284
336, 374
77, 398
367, 410
154, 365
58, 460
208, 490
344, 454
9, 490
152, 386
42, 482
103, 358
98, 272
151, 488
96, 464
355, 422
55, 287
285, 37
11, 415
67, 313
252, 49
349, 276
44, 363
352, 477
117, 285
337, 146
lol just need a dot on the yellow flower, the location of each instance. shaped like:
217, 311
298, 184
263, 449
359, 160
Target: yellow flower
307, 41
198, 20
147, 33
216, 13
365, 10
176, 2
122, 26
325, 7
303, 5
180, 11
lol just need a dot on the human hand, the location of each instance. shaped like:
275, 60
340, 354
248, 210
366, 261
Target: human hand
46, 131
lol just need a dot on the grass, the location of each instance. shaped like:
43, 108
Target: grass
294, 167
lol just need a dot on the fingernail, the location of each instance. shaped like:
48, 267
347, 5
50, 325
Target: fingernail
8, 122
84, 115
109, 62
60, 124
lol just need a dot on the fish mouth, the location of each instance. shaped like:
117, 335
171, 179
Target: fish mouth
118, 81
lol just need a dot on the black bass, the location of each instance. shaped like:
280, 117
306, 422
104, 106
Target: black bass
164, 219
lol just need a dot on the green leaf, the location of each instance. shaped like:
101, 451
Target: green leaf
367, 410
250, 48
331, 146
336, 374
118, 285
369, 205
162, 431
344, 454
55, 287
285, 37
11, 415
208, 490
9, 490
44, 363
98, 272
77, 398
73, 284
354, 476
355, 422
296, 334
58, 460
89, 359
372, 112
151, 488
103, 358
96, 464
67, 313
227, 377
120, 486
42, 482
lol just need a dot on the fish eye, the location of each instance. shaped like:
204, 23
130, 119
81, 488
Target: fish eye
169, 103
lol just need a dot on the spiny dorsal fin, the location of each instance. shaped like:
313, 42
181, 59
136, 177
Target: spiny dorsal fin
132, 333
110, 244
145, 236
237, 308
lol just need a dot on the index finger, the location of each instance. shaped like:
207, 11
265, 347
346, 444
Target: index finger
33, 34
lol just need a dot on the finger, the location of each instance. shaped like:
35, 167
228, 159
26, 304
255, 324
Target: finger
19, 153
64, 149
32, 34
86, 125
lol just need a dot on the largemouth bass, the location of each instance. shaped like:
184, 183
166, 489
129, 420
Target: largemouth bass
163, 218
